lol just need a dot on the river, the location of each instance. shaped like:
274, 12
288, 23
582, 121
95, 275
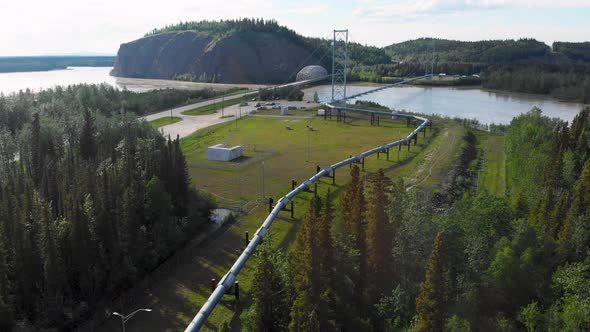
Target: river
13, 82
473, 103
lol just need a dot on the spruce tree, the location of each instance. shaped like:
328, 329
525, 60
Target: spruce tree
52, 265
573, 240
35, 149
431, 301
271, 290
379, 239
353, 208
87, 143
304, 312
326, 265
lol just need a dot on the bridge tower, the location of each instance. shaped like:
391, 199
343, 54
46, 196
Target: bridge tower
429, 59
339, 64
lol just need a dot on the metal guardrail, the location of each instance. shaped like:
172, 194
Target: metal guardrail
229, 278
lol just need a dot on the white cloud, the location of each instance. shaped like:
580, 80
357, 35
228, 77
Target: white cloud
408, 10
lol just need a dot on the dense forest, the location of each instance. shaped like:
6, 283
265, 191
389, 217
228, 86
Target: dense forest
358, 54
109, 100
42, 63
389, 259
566, 82
485, 51
91, 199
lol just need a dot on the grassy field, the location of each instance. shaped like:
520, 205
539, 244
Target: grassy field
432, 165
493, 177
157, 123
287, 153
212, 108
178, 298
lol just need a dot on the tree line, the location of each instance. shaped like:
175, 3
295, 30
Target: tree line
388, 259
42, 63
90, 201
567, 82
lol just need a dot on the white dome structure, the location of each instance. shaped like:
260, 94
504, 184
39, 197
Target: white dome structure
311, 73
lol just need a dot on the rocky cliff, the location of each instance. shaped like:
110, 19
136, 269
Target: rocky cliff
246, 57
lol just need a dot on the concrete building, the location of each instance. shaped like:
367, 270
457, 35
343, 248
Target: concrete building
221, 153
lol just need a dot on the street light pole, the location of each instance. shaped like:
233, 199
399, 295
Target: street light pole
263, 180
124, 318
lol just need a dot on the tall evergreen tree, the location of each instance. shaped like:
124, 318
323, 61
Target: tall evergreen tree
271, 291
88, 146
574, 238
431, 302
36, 153
52, 268
304, 312
379, 239
353, 208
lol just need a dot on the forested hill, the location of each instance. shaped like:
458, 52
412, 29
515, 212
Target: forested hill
231, 51
491, 51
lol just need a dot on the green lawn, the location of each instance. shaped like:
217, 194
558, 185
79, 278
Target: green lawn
284, 152
157, 123
493, 177
178, 297
212, 108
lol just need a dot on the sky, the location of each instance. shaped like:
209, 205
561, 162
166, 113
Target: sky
42, 27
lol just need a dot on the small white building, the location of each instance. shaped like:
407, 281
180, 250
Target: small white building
221, 153
321, 112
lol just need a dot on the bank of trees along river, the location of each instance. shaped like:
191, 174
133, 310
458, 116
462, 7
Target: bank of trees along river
90, 200
458, 259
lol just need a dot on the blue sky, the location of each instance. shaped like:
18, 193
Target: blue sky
35, 27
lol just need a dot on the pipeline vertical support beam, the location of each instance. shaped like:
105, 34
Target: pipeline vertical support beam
270, 203
334, 176
213, 284
247, 236
237, 290
315, 190
292, 210
415, 139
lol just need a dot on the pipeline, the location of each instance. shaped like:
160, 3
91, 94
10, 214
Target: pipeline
229, 278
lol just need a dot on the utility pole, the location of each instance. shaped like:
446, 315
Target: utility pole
222, 104
308, 138
263, 194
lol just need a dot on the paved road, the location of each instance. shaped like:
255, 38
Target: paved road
192, 123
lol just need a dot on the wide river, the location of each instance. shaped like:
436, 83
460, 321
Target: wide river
473, 103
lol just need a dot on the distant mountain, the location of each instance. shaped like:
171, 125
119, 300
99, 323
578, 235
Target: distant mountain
527, 51
233, 51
